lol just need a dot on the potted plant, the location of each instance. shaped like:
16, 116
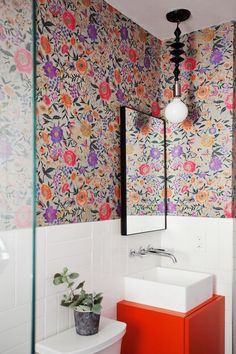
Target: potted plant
87, 306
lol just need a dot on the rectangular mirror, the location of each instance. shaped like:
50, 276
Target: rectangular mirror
143, 172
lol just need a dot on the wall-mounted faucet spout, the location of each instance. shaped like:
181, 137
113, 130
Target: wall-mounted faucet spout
151, 250
162, 252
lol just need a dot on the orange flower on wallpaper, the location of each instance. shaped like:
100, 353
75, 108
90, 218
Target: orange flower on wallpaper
117, 191
207, 140
202, 196
140, 90
142, 35
134, 197
45, 44
86, 129
167, 192
193, 77
145, 129
45, 137
203, 92
168, 94
86, 3
46, 192
73, 176
117, 76
186, 124
73, 41
82, 197
82, 66
66, 100
208, 34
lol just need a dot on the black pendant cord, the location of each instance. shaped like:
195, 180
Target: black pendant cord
177, 52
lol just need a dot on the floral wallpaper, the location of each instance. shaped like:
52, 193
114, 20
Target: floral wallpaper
200, 149
15, 114
145, 175
91, 60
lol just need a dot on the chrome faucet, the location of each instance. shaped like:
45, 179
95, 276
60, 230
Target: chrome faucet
161, 252
151, 250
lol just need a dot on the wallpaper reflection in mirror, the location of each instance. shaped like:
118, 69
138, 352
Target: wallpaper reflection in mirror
143, 172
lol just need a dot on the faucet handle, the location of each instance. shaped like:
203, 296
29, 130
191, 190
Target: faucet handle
142, 251
132, 252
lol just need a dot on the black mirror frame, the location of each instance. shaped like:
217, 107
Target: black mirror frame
123, 171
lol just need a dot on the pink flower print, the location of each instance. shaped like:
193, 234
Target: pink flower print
230, 101
229, 209
69, 158
23, 60
184, 189
105, 211
23, 216
189, 166
144, 169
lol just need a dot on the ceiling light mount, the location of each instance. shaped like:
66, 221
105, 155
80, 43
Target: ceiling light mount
178, 16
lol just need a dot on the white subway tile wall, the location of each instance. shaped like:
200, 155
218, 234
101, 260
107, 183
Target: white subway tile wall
100, 254
15, 292
213, 253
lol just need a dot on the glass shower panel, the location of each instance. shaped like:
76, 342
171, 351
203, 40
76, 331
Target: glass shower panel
16, 176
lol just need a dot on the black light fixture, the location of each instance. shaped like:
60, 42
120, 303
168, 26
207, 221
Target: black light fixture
176, 111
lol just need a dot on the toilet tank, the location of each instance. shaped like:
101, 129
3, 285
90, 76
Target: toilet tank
106, 341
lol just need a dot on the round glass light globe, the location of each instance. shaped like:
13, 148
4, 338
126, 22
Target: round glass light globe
176, 111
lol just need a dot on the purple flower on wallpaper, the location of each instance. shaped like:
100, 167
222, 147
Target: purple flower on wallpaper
92, 159
92, 32
212, 130
202, 174
171, 207
50, 214
56, 134
177, 151
124, 33
74, 91
203, 70
194, 115
215, 163
120, 96
216, 57
155, 153
147, 62
118, 209
81, 38
90, 118
161, 207
82, 170
50, 70
133, 177
140, 68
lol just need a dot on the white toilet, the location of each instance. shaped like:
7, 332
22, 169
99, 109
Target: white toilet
107, 341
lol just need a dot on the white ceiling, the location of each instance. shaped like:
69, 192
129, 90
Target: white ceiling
151, 14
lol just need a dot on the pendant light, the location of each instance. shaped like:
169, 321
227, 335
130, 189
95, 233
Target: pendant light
176, 111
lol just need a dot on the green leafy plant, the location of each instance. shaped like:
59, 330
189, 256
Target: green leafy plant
77, 298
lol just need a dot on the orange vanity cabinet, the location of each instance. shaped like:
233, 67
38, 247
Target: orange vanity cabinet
151, 330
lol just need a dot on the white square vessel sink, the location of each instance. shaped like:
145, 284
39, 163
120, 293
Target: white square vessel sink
169, 288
